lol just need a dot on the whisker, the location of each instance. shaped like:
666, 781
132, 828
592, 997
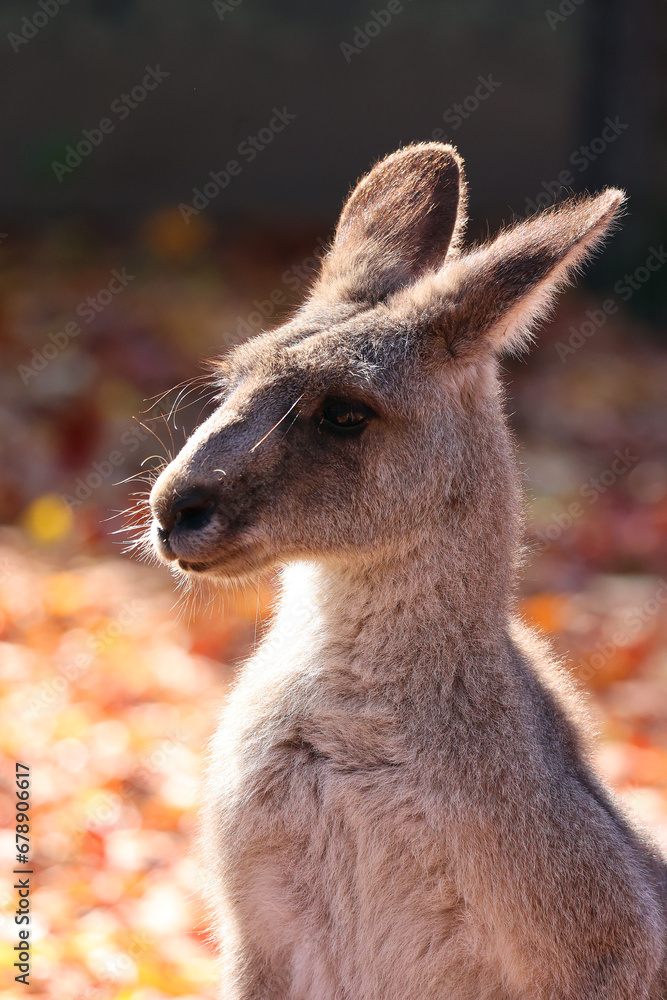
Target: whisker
296, 417
121, 513
160, 396
207, 400
141, 477
171, 436
180, 399
296, 401
160, 458
254, 642
151, 431
180, 404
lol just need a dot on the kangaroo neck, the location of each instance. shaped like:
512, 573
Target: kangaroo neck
393, 615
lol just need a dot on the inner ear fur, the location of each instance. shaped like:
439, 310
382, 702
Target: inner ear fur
401, 221
494, 295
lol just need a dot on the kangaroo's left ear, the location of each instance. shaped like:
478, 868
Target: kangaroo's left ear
496, 294
401, 221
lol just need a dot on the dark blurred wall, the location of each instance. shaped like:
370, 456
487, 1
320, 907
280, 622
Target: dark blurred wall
525, 89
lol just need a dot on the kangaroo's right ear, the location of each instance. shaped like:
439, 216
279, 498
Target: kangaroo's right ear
400, 221
494, 295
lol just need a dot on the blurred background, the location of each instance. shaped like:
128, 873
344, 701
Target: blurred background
170, 174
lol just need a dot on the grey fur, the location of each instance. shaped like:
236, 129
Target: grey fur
399, 803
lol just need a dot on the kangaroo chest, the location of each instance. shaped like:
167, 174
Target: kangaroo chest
331, 850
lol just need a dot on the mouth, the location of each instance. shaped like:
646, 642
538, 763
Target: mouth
177, 550
194, 567
233, 558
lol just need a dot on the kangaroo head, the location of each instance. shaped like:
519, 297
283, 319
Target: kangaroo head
371, 421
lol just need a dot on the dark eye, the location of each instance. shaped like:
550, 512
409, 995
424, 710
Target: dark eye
343, 416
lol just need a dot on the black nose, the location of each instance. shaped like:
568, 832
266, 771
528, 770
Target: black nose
191, 512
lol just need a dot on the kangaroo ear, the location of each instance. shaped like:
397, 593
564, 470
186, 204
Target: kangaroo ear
496, 294
399, 222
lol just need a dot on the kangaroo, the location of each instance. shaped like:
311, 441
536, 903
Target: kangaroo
399, 803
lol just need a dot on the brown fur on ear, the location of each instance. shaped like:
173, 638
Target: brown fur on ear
399, 222
496, 294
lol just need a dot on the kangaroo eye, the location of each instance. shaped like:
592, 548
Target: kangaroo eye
344, 417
